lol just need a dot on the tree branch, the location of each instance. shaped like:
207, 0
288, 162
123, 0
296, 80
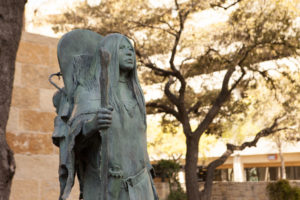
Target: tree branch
184, 60
263, 133
182, 18
216, 52
238, 81
147, 63
224, 93
225, 7
155, 27
177, 5
180, 101
195, 107
230, 149
266, 78
169, 94
163, 108
169, 25
157, 70
222, 97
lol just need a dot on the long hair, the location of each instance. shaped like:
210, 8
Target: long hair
111, 44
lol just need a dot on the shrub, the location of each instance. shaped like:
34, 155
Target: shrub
282, 190
169, 169
177, 195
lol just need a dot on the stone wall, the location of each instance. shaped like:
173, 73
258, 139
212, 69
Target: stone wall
231, 190
242, 190
228, 190
30, 121
239, 191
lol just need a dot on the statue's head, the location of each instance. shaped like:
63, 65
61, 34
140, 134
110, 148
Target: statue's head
122, 58
126, 55
122, 54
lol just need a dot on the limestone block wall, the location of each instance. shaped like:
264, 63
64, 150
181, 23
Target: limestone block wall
30, 121
230, 190
242, 190
239, 191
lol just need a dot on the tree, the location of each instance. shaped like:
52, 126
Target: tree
11, 19
232, 49
238, 127
290, 106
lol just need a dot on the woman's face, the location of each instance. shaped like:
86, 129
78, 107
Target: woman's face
126, 56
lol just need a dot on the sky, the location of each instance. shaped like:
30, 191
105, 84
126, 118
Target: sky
37, 9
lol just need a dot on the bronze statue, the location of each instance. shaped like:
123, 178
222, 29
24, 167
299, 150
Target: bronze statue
103, 143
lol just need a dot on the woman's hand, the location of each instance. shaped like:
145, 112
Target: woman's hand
101, 121
103, 118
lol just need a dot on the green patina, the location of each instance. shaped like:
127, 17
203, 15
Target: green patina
81, 120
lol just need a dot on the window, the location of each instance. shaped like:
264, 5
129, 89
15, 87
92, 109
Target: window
256, 174
274, 173
293, 173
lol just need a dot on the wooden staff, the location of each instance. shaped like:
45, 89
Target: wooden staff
104, 84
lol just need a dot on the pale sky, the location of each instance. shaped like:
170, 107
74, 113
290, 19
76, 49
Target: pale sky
36, 9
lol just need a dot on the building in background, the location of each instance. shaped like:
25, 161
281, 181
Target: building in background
261, 163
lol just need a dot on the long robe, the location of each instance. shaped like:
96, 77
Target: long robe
129, 166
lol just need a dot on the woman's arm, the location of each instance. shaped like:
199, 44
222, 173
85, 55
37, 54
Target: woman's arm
101, 121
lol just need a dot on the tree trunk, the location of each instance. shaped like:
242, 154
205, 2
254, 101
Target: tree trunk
279, 146
206, 193
208, 185
11, 20
283, 172
192, 186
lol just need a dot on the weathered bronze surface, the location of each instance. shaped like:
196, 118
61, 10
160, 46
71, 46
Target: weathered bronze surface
101, 130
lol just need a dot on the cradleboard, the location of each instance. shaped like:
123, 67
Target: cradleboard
75, 53
74, 44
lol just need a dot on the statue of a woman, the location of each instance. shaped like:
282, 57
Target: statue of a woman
129, 169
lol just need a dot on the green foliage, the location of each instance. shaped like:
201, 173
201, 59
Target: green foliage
282, 190
169, 169
169, 126
177, 195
